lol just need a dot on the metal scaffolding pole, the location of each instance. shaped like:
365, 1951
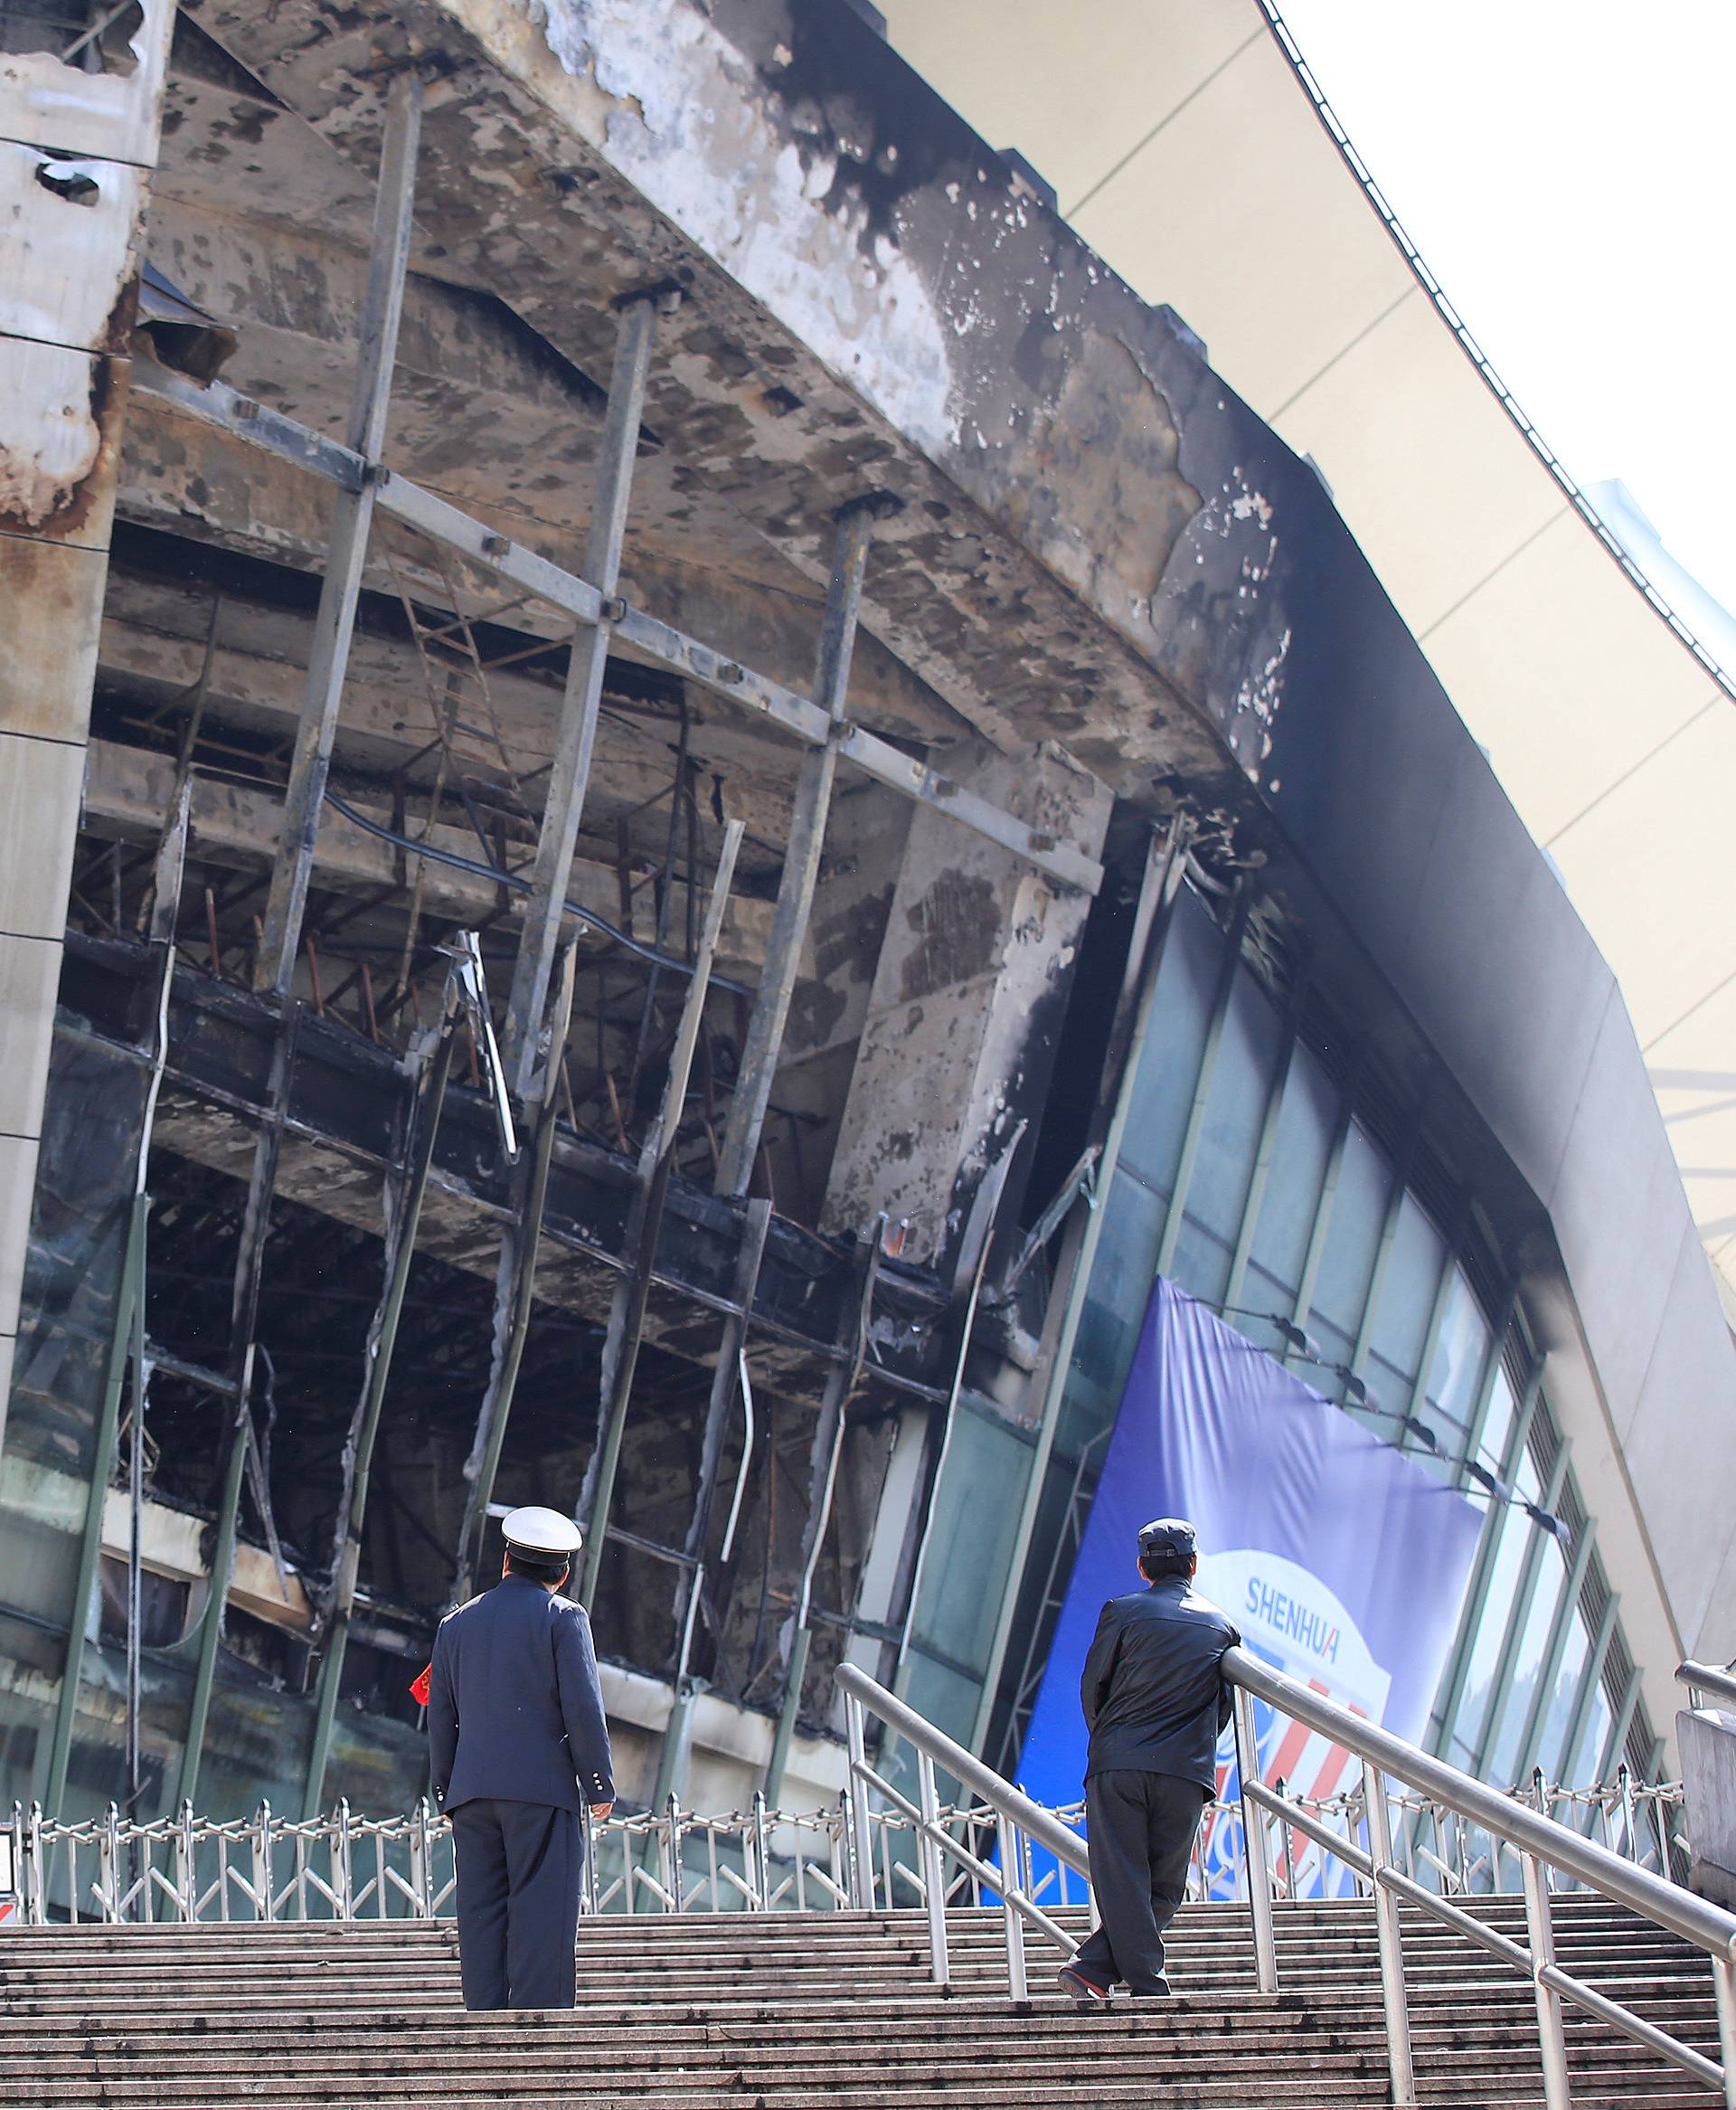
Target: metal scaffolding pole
244, 1305
515, 1292
382, 1338
729, 1379
347, 551
725, 1381
822, 1479
656, 1167
802, 853
569, 771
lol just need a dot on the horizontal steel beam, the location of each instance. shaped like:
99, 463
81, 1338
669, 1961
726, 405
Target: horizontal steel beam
217, 404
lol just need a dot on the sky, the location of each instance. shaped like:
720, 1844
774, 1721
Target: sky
1565, 170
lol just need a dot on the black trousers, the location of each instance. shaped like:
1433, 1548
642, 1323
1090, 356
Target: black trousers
519, 1866
1141, 1828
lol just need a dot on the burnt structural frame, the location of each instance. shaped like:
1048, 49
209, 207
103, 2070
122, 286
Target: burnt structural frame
365, 488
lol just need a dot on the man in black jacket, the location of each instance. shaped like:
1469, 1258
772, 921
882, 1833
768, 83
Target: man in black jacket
1155, 1703
518, 1744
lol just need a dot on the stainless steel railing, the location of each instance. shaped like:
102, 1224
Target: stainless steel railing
1541, 1846
1545, 1849
1020, 1823
1706, 1683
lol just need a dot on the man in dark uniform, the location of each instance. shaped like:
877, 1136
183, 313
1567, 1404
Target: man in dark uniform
1156, 1703
518, 1744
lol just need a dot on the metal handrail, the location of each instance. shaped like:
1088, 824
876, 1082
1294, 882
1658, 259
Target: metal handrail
1702, 1679
1540, 1843
1022, 1823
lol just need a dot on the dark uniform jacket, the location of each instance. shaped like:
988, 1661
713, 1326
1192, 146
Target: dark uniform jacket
514, 1711
1153, 1697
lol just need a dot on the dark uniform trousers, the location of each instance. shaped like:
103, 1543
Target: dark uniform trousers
1141, 1828
519, 1867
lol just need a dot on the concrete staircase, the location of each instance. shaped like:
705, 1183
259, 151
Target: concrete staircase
727, 2011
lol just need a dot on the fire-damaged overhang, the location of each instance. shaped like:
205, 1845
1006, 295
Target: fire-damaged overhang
1099, 542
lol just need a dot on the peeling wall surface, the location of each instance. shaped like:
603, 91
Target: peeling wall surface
735, 466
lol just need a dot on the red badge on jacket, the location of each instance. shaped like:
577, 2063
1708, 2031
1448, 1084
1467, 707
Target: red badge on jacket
418, 1691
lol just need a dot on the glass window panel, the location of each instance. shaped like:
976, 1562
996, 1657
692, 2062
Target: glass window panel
984, 1484
1461, 1350
1262, 1292
1408, 1290
1559, 1716
1582, 1765
1202, 1264
1169, 1068
1247, 1057
1498, 1423
1352, 1239
1514, 1529
1300, 1150
1115, 1305
1551, 1575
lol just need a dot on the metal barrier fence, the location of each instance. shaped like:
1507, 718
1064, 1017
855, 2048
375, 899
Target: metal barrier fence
346, 1867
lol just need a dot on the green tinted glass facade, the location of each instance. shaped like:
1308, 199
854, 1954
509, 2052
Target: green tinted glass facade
1260, 1172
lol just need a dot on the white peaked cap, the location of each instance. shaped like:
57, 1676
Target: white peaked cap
543, 1531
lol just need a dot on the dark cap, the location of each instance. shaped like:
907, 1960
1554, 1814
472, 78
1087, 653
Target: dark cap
1167, 1539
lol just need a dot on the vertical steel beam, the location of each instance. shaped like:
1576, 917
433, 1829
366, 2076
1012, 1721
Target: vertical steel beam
576, 736
346, 554
244, 1305
514, 1292
223, 1563
135, 1525
656, 1166
382, 1338
802, 854
823, 1478
1194, 1134
725, 1381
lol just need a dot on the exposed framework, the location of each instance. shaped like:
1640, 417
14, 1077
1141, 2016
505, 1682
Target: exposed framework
534, 1071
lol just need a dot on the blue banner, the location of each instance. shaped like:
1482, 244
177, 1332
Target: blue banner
1343, 1562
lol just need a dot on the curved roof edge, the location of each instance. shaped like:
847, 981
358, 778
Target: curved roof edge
1574, 494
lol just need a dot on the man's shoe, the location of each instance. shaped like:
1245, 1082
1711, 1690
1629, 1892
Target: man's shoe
1083, 1991
1161, 1991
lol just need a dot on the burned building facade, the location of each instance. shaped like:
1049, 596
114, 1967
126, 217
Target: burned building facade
678, 796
